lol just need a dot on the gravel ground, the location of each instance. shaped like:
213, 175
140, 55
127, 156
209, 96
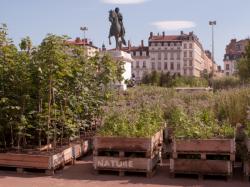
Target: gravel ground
81, 175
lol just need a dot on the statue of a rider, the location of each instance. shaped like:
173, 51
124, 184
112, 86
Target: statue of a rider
120, 18
114, 31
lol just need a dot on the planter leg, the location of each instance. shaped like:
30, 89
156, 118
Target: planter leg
19, 170
49, 172
121, 173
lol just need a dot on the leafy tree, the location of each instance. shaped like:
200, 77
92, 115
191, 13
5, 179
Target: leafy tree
243, 66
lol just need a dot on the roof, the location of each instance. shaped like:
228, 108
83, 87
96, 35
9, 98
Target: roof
165, 38
83, 42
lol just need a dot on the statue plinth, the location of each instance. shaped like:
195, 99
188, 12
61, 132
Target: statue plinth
125, 57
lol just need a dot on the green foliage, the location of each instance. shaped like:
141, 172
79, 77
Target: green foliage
139, 122
248, 129
168, 80
243, 65
192, 115
198, 125
226, 83
50, 93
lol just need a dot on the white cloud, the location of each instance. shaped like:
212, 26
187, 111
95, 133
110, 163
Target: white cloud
173, 25
124, 1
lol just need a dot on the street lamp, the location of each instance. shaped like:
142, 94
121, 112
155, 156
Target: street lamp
212, 23
84, 29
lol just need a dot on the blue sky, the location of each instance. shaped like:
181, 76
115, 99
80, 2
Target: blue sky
36, 18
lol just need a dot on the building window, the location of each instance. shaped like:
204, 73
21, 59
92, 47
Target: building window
153, 65
178, 56
165, 65
227, 66
185, 62
190, 62
159, 65
172, 66
185, 46
185, 72
159, 56
191, 72
144, 64
137, 64
132, 65
172, 56
190, 54
178, 66
227, 73
185, 53
166, 55
190, 46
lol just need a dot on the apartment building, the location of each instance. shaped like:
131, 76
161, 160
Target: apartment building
234, 51
91, 50
178, 54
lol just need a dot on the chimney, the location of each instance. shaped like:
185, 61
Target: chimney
103, 47
151, 34
142, 43
182, 33
158, 34
163, 34
129, 44
91, 43
78, 40
233, 41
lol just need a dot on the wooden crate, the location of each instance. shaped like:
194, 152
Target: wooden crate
247, 162
68, 155
46, 162
80, 149
206, 146
127, 154
219, 167
149, 145
203, 157
126, 164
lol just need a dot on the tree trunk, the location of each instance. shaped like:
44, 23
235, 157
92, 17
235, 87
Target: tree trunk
49, 109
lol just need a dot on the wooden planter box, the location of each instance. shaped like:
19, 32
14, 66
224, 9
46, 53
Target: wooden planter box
125, 163
201, 166
47, 162
127, 154
80, 149
208, 146
247, 162
68, 155
148, 145
206, 157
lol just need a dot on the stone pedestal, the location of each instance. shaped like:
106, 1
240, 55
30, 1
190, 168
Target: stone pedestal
127, 59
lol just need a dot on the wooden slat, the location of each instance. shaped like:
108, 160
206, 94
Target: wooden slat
210, 145
124, 164
247, 168
128, 144
248, 145
201, 166
24, 157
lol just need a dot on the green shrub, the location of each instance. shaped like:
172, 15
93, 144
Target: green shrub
200, 125
139, 122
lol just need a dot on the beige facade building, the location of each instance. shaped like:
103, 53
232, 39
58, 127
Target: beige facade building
177, 54
234, 51
91, 50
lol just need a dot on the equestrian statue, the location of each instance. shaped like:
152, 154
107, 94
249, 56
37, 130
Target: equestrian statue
117, 29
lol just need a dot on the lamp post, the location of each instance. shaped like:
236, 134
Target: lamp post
84, 29
212, 23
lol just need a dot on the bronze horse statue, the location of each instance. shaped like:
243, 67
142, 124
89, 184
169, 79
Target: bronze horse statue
116, 30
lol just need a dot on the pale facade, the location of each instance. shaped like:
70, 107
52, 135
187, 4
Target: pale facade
177, 54
90, 49
234, 51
